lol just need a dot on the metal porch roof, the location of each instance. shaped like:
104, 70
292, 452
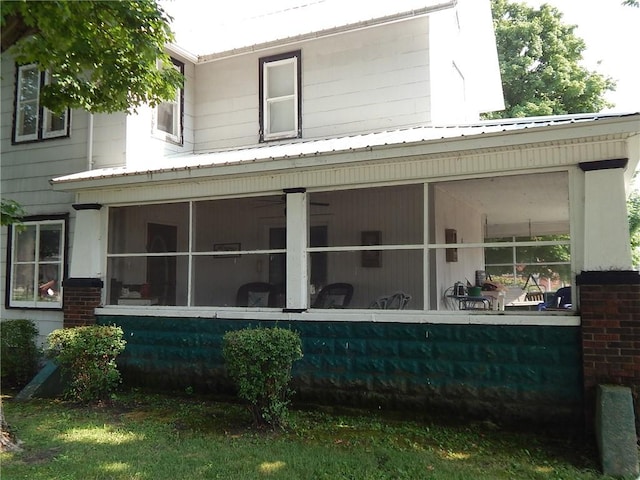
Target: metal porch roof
318, 147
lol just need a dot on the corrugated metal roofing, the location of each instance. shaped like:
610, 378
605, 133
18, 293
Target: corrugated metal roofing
368, 141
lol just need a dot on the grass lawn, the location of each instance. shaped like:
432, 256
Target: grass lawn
148, 436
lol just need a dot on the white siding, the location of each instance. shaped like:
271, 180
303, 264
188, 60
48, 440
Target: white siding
25, 173
142, 146
368, 80
109, 149
372, 79
226, 111
464, 70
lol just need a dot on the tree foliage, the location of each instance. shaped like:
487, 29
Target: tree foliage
103, 54
19, 352
539, 59
87, 357
11, 212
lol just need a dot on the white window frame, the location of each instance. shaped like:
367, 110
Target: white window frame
48, 115
175, 136
36, 262
43, 116
292, 58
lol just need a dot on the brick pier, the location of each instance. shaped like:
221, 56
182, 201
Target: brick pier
81, 297
610, 311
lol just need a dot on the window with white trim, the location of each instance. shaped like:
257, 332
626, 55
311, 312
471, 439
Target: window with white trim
32, 121
37, 264
168, 116
280, 96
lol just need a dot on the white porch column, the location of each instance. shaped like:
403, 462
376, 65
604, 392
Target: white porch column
606, 226
297, 239
86, 257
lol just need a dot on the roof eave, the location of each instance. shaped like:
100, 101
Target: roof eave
396, 17
442, 146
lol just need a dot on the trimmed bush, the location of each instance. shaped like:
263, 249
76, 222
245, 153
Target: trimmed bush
19, 352
87, 356
259, 361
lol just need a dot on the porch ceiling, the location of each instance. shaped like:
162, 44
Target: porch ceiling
516, 199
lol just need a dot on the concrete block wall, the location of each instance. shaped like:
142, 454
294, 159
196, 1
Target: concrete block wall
495, 371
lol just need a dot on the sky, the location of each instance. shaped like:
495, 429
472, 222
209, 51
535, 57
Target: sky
611, 31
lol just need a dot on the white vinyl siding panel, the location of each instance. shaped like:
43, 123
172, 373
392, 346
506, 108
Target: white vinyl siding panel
27, 169
353, 82
369, 80
226, 113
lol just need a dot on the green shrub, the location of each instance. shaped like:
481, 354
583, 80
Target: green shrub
87, 358
259, 361
18, 351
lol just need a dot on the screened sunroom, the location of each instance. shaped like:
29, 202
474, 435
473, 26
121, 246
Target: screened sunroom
493, 243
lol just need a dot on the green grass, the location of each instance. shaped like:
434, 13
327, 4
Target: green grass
143, 436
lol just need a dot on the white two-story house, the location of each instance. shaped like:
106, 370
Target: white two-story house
336, 177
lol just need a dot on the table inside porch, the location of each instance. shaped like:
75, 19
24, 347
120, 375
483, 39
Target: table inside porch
466, 302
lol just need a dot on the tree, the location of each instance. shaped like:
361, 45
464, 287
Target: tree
11, 212
632, 3
539, 62
103, 56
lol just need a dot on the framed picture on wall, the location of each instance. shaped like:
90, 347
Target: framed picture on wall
226, 247
371, 258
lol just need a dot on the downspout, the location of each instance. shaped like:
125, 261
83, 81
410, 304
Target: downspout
90, 142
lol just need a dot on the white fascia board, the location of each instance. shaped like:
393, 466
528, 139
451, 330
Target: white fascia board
629, 125
177, 51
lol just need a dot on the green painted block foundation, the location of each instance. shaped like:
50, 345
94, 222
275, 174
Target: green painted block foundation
531, 372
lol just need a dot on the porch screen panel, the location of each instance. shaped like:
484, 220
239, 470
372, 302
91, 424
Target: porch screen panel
236, 280
148, 280
400, 272
129, 228
147, 255
512, 229
355, 222
238, 242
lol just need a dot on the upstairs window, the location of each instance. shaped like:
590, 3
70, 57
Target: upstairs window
280, 97
32, 121
167, 116
37, 264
